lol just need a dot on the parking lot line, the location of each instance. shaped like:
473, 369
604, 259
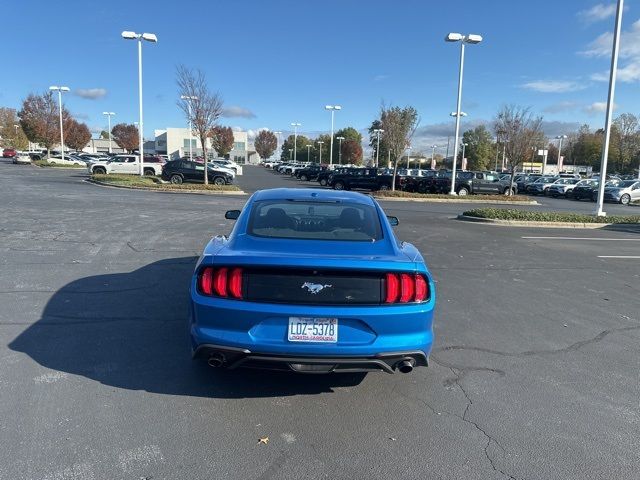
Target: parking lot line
619, 256
585, 238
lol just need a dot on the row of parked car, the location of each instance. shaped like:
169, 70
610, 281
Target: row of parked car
617, 189
622, 190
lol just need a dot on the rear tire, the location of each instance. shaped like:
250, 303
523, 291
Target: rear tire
149, 172
339, 186
218, 181
463, 192
100, 171
385, 187
625, 199
303, 178
176, 179
323, 182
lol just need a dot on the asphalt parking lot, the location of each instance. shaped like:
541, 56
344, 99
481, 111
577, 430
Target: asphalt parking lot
534, 374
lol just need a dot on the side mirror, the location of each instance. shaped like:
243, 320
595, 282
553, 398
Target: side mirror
393, 221
232, 214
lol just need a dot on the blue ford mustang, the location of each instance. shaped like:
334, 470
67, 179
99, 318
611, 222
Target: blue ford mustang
312, 281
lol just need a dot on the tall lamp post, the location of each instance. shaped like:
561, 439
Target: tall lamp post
378, 131
560, 137
309, 153
295, 126
455, 152
189, 98
60, 90
463, 39
108, 114
320, 142
464, 149
149, 37
609, 115
433, 156
408, 156
279, 140
340, 139
333, 109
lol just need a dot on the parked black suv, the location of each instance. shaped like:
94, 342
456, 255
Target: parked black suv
364, 178
474, 183
179, 171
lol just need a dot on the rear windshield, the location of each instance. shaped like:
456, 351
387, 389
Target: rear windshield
314, 221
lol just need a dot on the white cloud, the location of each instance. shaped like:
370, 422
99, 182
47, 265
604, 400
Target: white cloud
379, 78
629, 71
237, 112
598, 12
90, 93
597, 107
553, 86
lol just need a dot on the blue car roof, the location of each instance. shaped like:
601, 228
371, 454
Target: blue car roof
312, 194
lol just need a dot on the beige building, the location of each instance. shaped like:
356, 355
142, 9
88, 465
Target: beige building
174, 142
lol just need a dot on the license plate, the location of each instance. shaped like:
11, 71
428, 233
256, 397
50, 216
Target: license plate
324, 330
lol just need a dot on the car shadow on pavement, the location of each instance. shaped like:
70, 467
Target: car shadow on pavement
626, 228
130, 331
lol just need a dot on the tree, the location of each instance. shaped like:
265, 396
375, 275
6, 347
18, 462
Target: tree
77, 135
301, 143
352, 152
104, 135
399, 125
9, 134
222, 140
480, 150
348, 133
552, 154
626, 140
520, 131
126, 136
201, 107
266, 143
39, 119
373, 141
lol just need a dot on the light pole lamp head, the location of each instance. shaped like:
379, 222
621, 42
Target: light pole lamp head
127, 35
339, 138
473, 39
453, 37
150, 37
454, 114
561, 137
295, 124
108, 113
332, 107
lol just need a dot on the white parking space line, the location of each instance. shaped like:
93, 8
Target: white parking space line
619, 256
585, 238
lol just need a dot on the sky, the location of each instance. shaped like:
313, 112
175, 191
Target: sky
276, 62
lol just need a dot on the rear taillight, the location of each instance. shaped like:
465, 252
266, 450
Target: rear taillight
406, 288
221, 282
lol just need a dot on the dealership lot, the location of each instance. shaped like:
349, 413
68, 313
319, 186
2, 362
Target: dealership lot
534, 374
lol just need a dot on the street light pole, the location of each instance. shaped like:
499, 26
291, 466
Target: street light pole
295, 140
408, 156
320, 142
333, 109
464, 148
108, 114
279, 140
433, 156
560, 137
149, 37
378, 131
309, 153
463, 39
340, 139
60, 90
608, 119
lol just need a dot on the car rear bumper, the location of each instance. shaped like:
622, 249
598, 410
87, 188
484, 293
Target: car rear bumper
232, 358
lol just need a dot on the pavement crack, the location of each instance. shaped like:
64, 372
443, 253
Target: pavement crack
132, 247
457, 381
570, 348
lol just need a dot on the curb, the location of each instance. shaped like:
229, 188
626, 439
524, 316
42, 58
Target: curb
453, 200
159, 190
525, 223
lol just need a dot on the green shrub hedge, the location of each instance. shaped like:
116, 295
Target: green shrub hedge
157, 184
529, 216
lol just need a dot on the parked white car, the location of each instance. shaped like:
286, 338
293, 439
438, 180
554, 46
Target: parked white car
57, 160
22, 159
127, 164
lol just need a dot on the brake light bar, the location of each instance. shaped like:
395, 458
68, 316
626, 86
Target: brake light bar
406, 288
221, 282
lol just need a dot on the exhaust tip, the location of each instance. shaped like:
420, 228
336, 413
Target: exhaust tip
406, 366
216, 360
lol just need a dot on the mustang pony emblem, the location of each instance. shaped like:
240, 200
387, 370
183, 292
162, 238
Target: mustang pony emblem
315, 287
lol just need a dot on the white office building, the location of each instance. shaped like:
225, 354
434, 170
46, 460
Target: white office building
174, 142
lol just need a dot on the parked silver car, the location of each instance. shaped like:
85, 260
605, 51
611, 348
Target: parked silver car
624, 193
